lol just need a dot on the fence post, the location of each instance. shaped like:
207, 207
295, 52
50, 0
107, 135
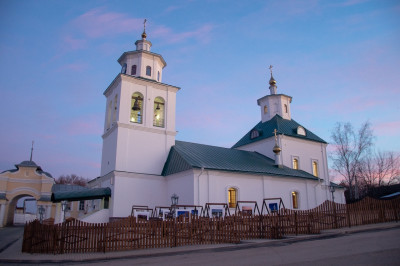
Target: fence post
334, 214
348, 215
395, 210
174, 232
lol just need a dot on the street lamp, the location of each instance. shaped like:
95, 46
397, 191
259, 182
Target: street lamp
332, 190
41, 213
174, 200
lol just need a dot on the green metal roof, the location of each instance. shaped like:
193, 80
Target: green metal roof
185, 155
82, 194
283, 126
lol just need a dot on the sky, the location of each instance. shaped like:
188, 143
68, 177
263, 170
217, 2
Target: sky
339, 60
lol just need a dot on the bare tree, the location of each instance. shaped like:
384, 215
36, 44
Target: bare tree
72, 179
350, 148
380, 169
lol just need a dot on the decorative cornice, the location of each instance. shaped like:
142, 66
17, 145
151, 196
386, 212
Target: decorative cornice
147, 129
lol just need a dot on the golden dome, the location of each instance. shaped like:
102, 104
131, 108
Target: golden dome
272, 81
276, 149
144, 35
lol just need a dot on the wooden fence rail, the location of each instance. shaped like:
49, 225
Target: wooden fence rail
74, 236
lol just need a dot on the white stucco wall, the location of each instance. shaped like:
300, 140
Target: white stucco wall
136, 189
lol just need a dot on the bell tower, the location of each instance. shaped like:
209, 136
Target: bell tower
139, 127
274, 103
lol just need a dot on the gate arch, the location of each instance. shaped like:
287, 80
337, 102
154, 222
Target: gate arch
28, 179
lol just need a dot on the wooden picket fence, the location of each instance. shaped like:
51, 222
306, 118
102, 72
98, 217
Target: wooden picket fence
74, 236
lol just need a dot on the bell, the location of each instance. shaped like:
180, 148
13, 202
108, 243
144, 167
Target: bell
136, 106
158, 106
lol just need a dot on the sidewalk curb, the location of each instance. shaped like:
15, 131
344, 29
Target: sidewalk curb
200, 249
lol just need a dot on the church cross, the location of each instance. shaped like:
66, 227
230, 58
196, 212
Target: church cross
32, 150
270, 69
144, 25
276, 138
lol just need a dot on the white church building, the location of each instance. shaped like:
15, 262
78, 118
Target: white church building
143, 164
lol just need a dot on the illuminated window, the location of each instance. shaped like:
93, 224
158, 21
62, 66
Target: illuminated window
159, 111
232, 197
148, 71
295, 199
133, 70
295, 163
315, 168
137, 108
265, 109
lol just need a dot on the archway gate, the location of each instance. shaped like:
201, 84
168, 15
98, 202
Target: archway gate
28, 179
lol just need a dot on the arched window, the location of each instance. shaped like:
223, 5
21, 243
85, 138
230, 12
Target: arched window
123, 69
109, 114
158, 76
133, 70
301, 131
148, 71
159, 111
295, 163
265, 109
285, 108
315, 168
137, 108
295, 199
115, 109
254, 134
232, 197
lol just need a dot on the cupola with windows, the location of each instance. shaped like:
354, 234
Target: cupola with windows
274, 103
141, 62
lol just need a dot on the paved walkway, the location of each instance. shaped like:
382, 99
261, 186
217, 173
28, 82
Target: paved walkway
11, 252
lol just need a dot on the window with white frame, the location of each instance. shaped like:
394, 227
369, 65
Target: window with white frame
315, 168
295, 199
295, 163
137, 108
159, 112
232, 197
148, 71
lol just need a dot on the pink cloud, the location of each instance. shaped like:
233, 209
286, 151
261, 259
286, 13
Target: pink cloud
84, 126
391, 128
201, 34
73, 43
74, 67
97, 23
351, 2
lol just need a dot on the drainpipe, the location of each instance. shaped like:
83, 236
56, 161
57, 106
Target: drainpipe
198, 185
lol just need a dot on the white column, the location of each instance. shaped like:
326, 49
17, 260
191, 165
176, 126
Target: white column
2, 211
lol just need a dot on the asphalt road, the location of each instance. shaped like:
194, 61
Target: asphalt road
9, 235
367, 248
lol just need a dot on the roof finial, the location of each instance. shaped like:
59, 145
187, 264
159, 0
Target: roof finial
32, 150
144, 35
272, 81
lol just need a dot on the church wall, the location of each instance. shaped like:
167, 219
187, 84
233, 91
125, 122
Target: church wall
108, 158
137, 189
307, 152
264, 147
183, 185
214, 187
142, 151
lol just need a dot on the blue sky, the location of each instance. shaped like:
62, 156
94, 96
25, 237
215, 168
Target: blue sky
339, 60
